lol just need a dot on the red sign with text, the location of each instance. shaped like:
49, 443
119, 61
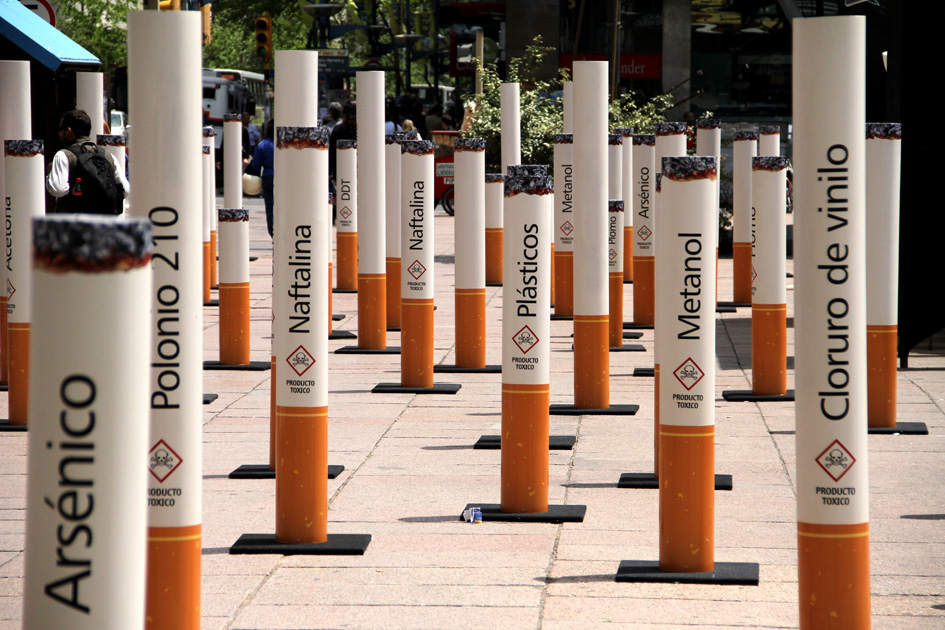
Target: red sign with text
632, 66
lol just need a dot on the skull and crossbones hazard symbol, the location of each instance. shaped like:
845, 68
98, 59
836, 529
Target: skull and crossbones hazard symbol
836, 460
162, 461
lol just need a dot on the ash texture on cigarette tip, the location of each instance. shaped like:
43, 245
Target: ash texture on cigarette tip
686, 169
884, 131
476, 145
302, 138
644, 139
773, 163
232, 215
22, 148
90, 243
540, 185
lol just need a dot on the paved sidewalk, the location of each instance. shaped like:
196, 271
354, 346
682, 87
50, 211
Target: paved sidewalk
410, 470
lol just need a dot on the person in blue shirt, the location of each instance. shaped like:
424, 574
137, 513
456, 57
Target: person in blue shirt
262, 166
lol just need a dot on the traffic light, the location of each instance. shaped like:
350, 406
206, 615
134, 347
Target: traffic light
264, 37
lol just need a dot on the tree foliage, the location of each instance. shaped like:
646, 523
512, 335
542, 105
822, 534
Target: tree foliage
99, 27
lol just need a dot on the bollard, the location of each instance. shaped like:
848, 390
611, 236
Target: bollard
567, 107
644, 260
15, 123
564, 226
392, 168
510, 122
745, 147
615, 266
494, 183
830, 317
85, 557
164, 94
626, 193
346, 152
25, 199
89, 90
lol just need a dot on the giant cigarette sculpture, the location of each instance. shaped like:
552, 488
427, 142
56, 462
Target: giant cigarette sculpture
392, 168
615, 225
526, 359
511, 125
90, 97
769, 140
234, 287
745, 147
830, 317
686, 264
416, 273
166, 186
25, 199
591, 303
346, 154
209, 206
14, 124
626, 194
709, 143
564, 226
644, 243
86, 507
494, 190
883, 161
114, 146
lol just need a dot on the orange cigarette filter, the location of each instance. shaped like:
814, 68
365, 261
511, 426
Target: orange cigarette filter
591, 362
416, 350
881, 375
470, 328
206, 271
393, 293
524, 448
741, 263
301, 474
234, 323
213, 259
644, 291
834, 575
173, 595
18, 341
564, 284
494, 255
372, 311
4, 344
687, 498
628, 253
769, 349
615, 318
347, 261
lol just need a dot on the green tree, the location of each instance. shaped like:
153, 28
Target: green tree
99, 27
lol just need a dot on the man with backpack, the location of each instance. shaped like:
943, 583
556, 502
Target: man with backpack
83, 177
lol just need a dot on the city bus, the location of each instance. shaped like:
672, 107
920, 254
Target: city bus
233, 92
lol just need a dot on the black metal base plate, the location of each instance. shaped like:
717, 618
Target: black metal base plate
336, 545
629, 347
337, 290
6, 427
357, 350
562, 318
647, 481
209, 398
4, 387
644, 372
634, 326
725, 573
212, 303
493, 284
342, 334
555, 514
746, 395
397, 388
393, 329
455, 369
337, 317
555, 442
631, 334
252, 366
262, 471
719, 305
613, 410
901, 428
725, 309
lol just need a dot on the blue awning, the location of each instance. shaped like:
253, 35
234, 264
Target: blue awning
40, 40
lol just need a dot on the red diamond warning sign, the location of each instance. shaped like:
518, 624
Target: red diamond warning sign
416, 269
613, 254
644, 233
10, 289
525, 339
836, 460
300, 360
688, 374
566, 228
163, 461
345, 212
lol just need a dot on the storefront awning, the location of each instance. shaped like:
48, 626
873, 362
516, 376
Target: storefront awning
39, 40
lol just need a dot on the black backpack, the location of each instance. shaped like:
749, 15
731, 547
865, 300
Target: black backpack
92, 185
